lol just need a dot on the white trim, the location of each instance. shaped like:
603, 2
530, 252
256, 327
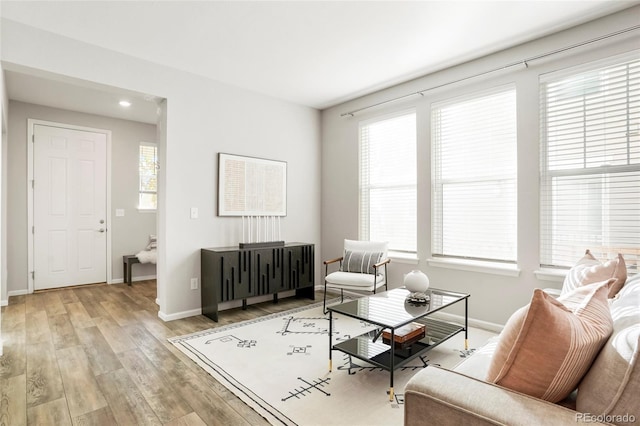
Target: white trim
401, 257
133, 279
495, 268
459, 319
157, 301
554, 275
30, 134
553, 292
179, 315
17, 293
223, 306
5, 302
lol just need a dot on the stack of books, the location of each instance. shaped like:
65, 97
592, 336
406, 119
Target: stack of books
405, 336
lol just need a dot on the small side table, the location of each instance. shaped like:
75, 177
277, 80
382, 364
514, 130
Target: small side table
128, 260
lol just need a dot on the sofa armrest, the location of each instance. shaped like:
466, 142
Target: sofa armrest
444, 397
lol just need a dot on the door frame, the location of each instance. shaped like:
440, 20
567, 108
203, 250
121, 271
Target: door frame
31, 123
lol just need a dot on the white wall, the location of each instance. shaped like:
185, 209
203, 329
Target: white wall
493, 297
204, 118
3, 204
129, 234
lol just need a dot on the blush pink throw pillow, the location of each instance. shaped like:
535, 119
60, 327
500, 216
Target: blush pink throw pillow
547, 346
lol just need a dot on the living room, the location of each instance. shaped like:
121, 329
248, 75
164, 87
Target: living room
206, 117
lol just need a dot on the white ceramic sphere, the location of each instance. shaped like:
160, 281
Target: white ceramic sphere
416, 281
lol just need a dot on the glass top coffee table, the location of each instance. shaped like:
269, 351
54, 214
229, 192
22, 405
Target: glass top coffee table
389, 311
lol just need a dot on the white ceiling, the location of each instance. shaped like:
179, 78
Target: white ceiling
72, 95
314, 53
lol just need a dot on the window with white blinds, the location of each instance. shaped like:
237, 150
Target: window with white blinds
147, 166
474, 176
388, 181
590, 162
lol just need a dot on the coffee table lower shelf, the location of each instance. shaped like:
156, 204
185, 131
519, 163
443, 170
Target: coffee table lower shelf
377, 353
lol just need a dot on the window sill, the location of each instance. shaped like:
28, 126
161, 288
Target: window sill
147, 210
399, 257
555, 275
476, 266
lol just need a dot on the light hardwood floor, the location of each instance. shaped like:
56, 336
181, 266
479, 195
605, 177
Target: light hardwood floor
99, 355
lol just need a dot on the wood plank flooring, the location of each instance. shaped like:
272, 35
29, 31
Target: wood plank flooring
99, 355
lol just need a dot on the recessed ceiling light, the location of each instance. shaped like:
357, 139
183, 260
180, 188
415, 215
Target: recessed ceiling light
125, 103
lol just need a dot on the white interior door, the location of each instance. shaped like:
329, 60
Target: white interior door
69, 207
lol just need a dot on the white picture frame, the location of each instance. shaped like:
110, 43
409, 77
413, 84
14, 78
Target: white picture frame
250, 186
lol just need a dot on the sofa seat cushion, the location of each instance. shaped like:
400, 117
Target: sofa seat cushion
589, 270
546, 347
612, 385
477, 365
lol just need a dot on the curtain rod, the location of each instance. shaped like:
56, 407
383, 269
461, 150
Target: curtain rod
524, 62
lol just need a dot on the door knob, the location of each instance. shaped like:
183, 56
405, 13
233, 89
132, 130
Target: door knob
101, 230
101, 221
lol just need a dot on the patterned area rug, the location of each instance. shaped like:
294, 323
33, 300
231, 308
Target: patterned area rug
278, 365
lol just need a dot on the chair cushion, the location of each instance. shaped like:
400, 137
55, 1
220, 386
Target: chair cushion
353, 280
360, 261
548, 346
589, 270
612, 385
357, 245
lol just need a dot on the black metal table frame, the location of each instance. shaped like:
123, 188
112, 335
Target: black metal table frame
392, 366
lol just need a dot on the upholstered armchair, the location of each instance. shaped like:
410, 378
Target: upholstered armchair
362, 267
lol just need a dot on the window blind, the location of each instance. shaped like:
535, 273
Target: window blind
474, 176
148, 160
590, 162
388, 181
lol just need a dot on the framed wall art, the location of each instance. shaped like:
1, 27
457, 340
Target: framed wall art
249, 186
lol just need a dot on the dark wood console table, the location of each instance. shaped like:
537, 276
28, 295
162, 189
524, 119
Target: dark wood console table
231, 273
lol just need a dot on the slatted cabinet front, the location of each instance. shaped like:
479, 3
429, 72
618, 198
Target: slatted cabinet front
229, 273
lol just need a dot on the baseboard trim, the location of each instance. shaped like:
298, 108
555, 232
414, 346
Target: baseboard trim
459, 319
179, 315
223, 306
140, 278
5, 302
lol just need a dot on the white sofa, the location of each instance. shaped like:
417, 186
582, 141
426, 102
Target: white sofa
608, 393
